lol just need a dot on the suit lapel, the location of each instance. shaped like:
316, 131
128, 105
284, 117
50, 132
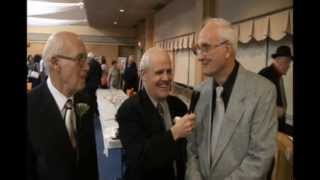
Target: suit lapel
203, 110
55, 125
152, 115
233, 114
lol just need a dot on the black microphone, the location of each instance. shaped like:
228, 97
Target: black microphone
194, 99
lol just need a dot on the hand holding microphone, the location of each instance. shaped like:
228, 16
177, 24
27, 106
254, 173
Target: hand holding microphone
184, 125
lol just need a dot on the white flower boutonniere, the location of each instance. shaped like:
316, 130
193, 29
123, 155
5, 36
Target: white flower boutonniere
82, 108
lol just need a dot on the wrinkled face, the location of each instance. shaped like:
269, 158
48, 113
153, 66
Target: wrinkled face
211, 51
283, 64
158, 76
72, 67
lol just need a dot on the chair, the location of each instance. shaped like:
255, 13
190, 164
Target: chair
283, 169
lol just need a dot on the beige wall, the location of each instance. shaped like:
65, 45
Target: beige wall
35, 48
177, 18
233, 10
109, 51
85, 30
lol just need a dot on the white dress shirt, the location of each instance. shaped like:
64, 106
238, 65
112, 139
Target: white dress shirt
59, 98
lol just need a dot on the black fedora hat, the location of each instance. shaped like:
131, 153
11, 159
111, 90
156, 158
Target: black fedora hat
283, 51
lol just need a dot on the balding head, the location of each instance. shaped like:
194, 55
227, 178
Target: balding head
150, 54
60, 43
65, 58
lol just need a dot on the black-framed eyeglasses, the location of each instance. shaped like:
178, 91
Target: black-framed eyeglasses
205, 48
80, 58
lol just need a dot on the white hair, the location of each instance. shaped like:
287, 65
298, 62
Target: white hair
53, 46
225, 31
146, 61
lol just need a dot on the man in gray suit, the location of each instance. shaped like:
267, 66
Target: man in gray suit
235, 138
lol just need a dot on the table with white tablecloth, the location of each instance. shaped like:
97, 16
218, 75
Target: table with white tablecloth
109, 148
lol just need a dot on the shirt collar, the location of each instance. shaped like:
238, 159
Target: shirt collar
231, 78
57, 95
154, 102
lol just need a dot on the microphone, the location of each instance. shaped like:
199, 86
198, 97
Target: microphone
194, 99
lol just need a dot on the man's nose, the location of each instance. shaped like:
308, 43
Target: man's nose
86, 66
166, 76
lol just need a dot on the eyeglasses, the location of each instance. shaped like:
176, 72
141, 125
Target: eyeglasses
205, 48
81, 58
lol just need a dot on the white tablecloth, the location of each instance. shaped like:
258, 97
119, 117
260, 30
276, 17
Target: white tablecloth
109, 100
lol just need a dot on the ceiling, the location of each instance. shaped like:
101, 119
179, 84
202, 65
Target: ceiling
102, 13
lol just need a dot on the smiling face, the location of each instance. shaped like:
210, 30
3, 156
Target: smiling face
157, 78
214, 60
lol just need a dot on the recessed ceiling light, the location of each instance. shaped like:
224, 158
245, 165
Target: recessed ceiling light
122, 10
115, 22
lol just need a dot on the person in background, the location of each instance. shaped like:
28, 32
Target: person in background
154, 144
35, 66
280, 65
104, 75
282, 59
235, 135
104, 66
130, 75
93, 80
60, 127
29, 66
114, 75
43, 73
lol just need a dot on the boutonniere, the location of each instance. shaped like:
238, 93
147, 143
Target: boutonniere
82, 108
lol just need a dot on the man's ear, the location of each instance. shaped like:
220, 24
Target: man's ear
228, 50
142, 75
53, 62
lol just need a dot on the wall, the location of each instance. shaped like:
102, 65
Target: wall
119, 36
109, 51
85, 30
233, 10
177, 18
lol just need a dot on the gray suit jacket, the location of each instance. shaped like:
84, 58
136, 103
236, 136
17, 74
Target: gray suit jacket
247, 140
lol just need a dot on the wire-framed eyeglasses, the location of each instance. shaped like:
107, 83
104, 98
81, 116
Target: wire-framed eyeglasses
205, 48
80, 58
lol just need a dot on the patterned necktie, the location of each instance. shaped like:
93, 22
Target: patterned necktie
160, 110
217, 121
70, 122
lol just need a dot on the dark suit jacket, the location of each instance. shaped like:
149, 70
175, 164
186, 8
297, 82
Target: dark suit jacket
130, 77
50, 155
270, 73
93, 83
150, 149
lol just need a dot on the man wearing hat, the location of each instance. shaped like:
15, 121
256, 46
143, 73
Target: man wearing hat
279, 67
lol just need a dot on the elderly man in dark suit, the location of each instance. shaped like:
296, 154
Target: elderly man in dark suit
154, 144
60, 131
